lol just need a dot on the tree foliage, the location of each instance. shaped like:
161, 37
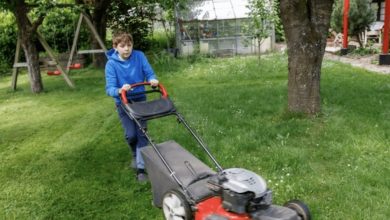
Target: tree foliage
133, 16
137, 17
59, 26
8, 34
361, 15
263, 14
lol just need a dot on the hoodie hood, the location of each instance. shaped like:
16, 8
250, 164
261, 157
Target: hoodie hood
112, 54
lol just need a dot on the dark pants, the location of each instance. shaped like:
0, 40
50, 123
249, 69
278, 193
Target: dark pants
134, 136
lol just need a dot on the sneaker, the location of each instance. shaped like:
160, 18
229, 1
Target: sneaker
142, 177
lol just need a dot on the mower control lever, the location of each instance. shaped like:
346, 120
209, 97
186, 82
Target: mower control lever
161, 89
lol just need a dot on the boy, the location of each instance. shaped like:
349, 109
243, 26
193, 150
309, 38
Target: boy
124, 67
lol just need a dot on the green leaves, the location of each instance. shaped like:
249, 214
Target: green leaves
7, 41
361, 15
264, 16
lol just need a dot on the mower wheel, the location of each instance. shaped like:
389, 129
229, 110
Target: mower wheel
175, 206
300, 207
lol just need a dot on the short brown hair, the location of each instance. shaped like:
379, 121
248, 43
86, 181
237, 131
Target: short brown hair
122, 37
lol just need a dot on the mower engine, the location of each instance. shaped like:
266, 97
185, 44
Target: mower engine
242, 191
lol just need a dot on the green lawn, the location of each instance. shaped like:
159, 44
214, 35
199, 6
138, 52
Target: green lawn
63, 156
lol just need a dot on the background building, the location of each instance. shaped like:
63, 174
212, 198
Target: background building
218, 27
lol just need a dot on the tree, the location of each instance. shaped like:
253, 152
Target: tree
264, 15
134, 17
360, 16
27, 35
306, 24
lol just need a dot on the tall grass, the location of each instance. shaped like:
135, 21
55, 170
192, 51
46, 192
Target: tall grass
63, 155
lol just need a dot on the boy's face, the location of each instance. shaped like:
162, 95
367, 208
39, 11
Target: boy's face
124, 50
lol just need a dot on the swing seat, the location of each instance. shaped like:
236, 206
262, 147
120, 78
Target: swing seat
75, 66
54, 73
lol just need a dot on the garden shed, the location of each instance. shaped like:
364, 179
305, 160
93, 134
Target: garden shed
218, 27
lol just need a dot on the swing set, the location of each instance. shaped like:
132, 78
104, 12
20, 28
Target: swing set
64, 71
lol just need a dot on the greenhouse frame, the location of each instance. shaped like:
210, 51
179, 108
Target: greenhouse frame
218, 27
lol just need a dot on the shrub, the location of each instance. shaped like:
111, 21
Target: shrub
8, 37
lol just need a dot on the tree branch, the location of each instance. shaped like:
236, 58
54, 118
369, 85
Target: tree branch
35, 25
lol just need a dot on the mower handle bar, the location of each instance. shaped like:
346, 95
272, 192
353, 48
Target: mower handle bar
161, 88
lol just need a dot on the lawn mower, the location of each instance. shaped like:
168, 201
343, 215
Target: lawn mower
186, 188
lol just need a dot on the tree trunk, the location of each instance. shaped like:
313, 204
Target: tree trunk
28, 38
99, 20
360, 41
306, 24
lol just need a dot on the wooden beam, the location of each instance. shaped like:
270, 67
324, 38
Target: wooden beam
90, 51
52, 56
15, 70
74, 44
16, 65
52, 63
95, 33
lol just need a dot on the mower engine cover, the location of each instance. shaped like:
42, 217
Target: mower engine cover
244, 191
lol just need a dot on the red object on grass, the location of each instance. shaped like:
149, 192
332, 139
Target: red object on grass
345, 24
75, 66
213, 206
54, 73
386, 28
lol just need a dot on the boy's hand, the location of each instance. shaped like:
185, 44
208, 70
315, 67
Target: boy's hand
154, 82
125, 87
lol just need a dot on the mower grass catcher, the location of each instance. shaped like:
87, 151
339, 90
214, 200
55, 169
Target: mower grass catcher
186, 188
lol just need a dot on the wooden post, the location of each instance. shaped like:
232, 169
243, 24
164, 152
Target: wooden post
344, 50
74, 45
384, 58
386, 28
95, 33
15, 70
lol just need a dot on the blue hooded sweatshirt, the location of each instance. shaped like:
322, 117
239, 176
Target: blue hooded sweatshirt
135, 69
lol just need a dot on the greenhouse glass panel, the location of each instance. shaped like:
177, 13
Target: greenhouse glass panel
216, 9
190, 31
220, 27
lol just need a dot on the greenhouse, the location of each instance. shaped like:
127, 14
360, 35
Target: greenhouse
218, 27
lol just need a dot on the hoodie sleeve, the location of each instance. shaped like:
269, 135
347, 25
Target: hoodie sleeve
111, 81
147, 69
